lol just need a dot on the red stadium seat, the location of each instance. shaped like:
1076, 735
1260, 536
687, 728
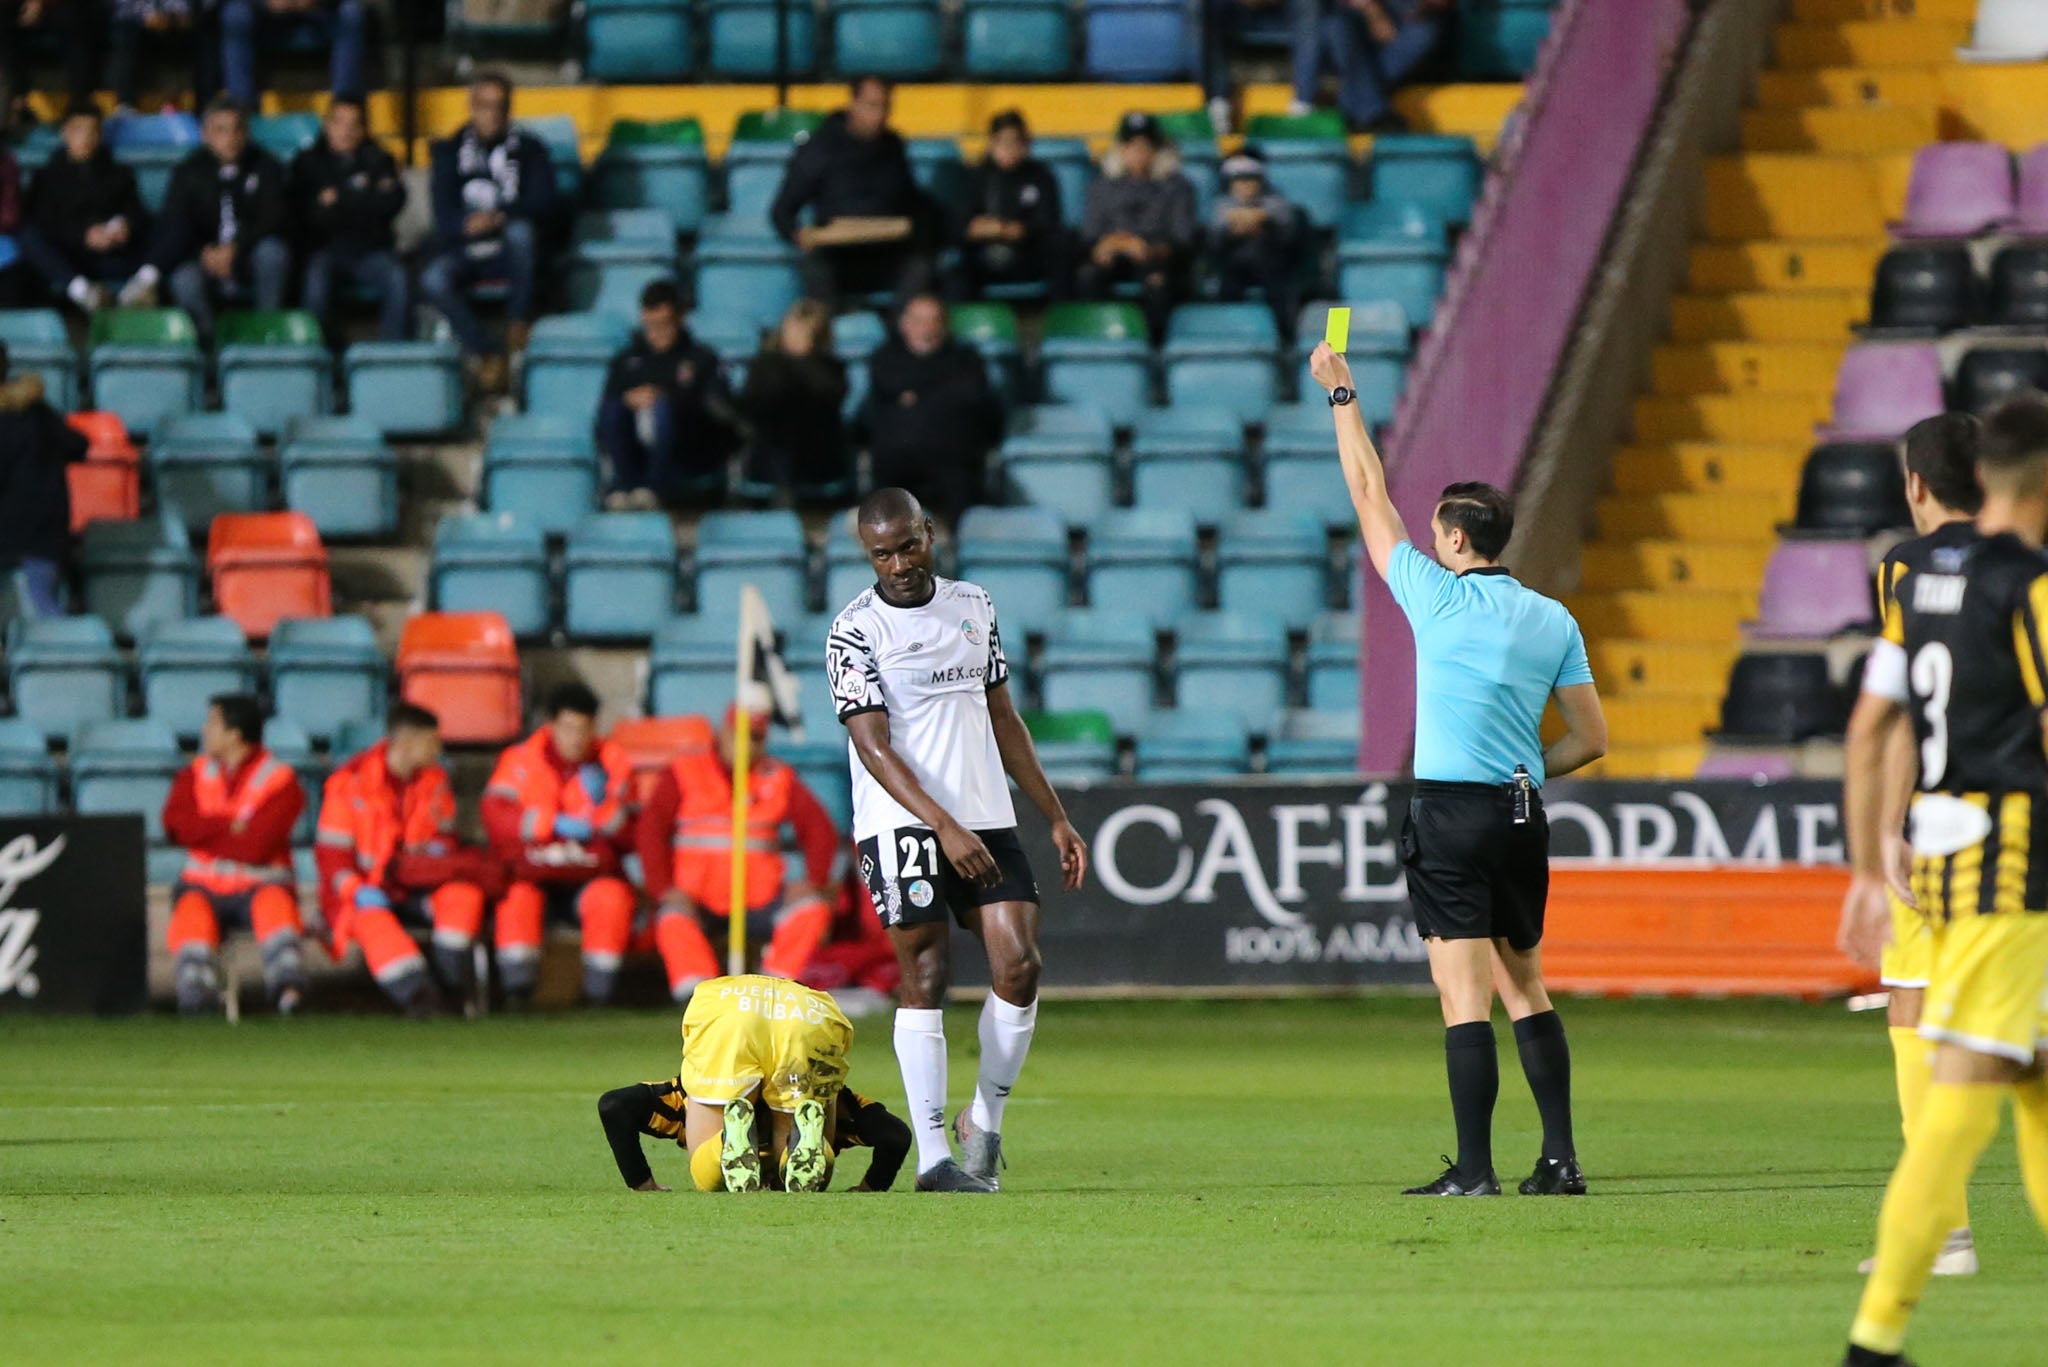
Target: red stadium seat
266, 567
102, 432
652, 743
464, 668
107, 484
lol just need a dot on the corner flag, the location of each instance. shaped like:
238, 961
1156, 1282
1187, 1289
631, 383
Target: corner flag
762, 686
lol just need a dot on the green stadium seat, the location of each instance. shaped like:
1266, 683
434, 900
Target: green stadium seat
145, 364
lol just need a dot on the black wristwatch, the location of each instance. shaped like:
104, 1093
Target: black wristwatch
1342, 394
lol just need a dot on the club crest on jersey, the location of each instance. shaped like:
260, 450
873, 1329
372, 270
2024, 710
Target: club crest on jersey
920, 893
971, 632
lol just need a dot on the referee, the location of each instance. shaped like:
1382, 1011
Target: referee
1489, 654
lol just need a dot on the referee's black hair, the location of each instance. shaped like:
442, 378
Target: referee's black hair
1485, 515
2015, 435
1942, 450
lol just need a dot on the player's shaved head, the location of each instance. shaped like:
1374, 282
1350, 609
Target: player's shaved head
896, 532
885, 506
2013, 455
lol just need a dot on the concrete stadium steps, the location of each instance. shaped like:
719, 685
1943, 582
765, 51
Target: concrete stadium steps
1666, 668
1746, 369
1733, 268
1853, 11
1663, 719
1855, 129
1767, 195
1881, 42
1815, 317
2001, 102
1707, 467
1648, 761
1693, 517
1696, 616
1674, 563
1765, 419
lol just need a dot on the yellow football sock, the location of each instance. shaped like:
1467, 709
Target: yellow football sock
1913, 1067
1922, 1204
705, 1172
2030, 1126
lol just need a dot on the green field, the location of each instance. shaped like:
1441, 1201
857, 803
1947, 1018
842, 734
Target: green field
1191, 1182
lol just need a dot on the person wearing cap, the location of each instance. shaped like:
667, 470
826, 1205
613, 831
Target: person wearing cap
1375, 45
1009, 227
1139, 223
1253, 234
686, 842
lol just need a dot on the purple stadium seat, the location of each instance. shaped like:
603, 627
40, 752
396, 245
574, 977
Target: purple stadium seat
1883, 389
1814, 588
1958, 189
1768, 766
2030, 217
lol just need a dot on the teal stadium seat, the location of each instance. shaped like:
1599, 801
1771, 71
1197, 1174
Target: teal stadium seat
762, 143
765, 549
152, 145
619, 576
326, 675
1401, 269
1308, 160
754, 279
183, 664
541, 468
1498, 40
1377, 352
616, 253
145, 364
1231, 660
742, 41
1099, 355
991, 328
1100, 659
1138, 40
288, 742
205, 464
1333, 664
1439, 172
1059, 456
1321, 744
123, 768
64, 672
1299, 475
1072, 166
848, 570
1020, 556
854, 339
38, 343
284, 136
491, 562
1223, 355
1006, 40
638, 40
138, 572
940, 170
1274, 563
566, 361
691, 663
273, 366
565, 152
898, 39
1193, 745
820, 761
406, 388
655, 164
339, 472
1190, 457
28, 776
1143, 556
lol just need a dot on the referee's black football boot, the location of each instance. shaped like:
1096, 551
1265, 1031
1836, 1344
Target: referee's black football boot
950, 1176
1865, 1357
1555, 1177
1452, 1184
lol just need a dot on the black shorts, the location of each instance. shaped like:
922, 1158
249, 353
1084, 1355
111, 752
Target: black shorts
913, 884
1473, 874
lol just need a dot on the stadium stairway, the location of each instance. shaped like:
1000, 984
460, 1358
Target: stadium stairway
1795, 222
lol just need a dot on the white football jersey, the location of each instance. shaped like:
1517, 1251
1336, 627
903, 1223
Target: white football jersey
930, 669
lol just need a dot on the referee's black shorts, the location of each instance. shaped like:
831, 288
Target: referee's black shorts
1473, 874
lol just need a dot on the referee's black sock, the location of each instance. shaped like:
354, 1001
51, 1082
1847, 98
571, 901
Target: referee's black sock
1547, 1063
1474, 1066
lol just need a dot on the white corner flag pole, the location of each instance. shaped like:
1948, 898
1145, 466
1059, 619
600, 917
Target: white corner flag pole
752, 609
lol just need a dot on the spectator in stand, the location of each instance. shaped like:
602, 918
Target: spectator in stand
1138, 223
1011, 233
855, 167
349, 195
11, 270
35, 493
193, 26
686, 844
70, 24
558, 814
86, 225
232, 810
388, 852
494, 197
221, 235
1221, 22
793, 401
339, 27
931, 415
1254, 235
666, 420
1375, 45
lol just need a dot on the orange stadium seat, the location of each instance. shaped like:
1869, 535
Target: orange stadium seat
107, 484
651, 743
463, 667
266, 567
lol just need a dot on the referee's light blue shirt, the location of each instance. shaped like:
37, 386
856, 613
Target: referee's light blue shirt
1488, 653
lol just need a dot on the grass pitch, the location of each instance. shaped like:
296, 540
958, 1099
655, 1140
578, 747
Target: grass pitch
1192, 1183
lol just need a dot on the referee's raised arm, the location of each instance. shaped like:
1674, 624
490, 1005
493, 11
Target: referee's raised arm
1364, 473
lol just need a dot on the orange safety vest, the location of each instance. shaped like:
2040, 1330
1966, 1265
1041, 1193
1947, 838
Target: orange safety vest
267, 776
526, 774
373, 816
703, 834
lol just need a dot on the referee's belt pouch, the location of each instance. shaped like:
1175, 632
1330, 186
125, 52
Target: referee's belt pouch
1944, 825
1410, 844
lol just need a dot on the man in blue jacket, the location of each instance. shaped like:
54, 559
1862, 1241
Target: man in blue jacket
494, 195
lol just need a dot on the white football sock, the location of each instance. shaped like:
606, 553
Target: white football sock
1005, 1039
921, 1054
79, 291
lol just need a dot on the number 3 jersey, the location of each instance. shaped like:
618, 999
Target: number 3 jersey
930, 668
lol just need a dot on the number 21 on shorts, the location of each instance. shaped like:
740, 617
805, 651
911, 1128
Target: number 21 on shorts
910, 846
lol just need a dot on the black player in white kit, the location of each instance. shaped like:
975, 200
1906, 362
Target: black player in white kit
918, 677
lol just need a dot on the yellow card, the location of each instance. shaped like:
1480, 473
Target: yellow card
1338, 331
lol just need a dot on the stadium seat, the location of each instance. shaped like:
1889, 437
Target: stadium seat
274, 366
1498, 40
1334, 663
1854, 489
1098, 355
64, 671
1321, 743
289, 744
1924, 287
762, 143
619, 575
1958, 189
1406, 271
542, 470
28, 776
2030, 208
464, 668
267, 566
765, 549
940, 170
1189, 456
847, 568
1300, 477
755, 280
1440, 173
38, 343
1274, 563
1883, 389
152, 145
855, 336
1234, 661
326, 673
208, 463
284, 136
107, 484
691, 663
1784, 699
182, 664
655, 164
651, 744
1020, 556
1099, 659
743, 41
564, 142
1377, 351
1058, 456
140, 572
1137, 40
638, 40
1307, 160
496, 562
1225, 356
2019, 287
615, 254
991, 329
339, 472
1143, 559
1987, 375
145, 364
1072, 166
2007, 31
565, 364
1074, 747
1815, 588
1005, 40
1375, 220
820, 761
1193, 745
406, 388
899, 39
124, 768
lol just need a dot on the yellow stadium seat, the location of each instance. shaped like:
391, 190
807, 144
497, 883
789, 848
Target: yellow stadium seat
1874, 44
1703, 517
1816, 316
1673, 563
1703, 467
1699, 615
1727, 268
